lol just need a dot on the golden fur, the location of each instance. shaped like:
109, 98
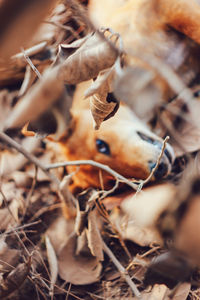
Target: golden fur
145, 25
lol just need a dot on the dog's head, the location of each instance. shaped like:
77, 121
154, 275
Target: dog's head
123, 143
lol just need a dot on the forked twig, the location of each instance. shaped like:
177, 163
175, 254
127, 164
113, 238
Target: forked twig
122, 270
31, 64
94, 164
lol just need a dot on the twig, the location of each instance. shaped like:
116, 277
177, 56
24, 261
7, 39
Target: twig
29, 156
31, 64
28, 79
22, 227
31, 51
94, 164
143, 182
122, 270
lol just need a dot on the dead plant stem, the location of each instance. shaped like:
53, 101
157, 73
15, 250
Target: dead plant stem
94, 164
122, 270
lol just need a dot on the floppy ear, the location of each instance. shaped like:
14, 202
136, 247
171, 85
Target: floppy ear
69, 131
182, 15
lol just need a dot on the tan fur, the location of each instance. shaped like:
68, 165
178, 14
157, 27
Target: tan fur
129, 154
145, 26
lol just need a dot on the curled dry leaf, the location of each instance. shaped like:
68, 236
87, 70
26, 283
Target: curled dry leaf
69, 207
53, 263
77, 269
14, 279
102, 106
136, 87
94, 236
88, 57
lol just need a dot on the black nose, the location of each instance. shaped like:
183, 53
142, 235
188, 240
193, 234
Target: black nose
161, 171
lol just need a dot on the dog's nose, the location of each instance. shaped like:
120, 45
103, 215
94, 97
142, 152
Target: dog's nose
161, 171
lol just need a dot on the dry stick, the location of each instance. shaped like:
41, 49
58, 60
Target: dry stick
157, 163
29, 156
31, 64
122, 270
94, 164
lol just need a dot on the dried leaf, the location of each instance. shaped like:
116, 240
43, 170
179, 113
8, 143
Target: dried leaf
59, 232
100, 104
9, 215
9, 258
14, 279
137, 88
94, 236
155, 199
93, 55
182, 291
158, 292
69, 209
53, 263
77, 269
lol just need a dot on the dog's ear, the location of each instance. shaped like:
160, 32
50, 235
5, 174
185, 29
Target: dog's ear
68, 132
182, 15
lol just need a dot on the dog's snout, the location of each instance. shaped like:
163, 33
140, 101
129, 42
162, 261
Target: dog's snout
161, 171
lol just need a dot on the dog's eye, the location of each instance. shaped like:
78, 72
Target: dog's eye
102, 147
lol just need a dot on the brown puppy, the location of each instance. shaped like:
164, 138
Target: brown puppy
123, 142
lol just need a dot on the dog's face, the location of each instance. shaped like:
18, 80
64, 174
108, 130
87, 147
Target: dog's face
123, 143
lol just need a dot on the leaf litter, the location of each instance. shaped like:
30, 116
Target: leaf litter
74, 248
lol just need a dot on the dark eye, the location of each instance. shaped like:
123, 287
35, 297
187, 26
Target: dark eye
102, 147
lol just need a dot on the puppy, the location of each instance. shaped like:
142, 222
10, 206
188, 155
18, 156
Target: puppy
123, 143
169, 29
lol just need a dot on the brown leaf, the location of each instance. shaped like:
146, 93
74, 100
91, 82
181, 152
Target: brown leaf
77, 269
158, 292
59, 232
9, 215
9, 258
53, 263
94, 236
100, 105
93, 55
182, 291
14, 279
154, 199
136, 87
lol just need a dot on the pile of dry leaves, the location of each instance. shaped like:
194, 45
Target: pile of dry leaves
138, 240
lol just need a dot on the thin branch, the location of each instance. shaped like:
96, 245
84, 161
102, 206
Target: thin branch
29, 156
94, 164
31, 64
143, 182
122, 270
